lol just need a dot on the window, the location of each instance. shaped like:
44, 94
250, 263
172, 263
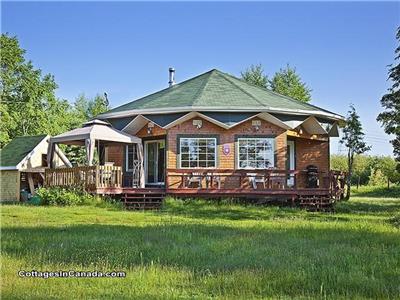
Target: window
131, 156
198, 152
255, 153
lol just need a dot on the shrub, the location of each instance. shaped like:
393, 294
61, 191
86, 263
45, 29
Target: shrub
62, 196
377, 178
75, 196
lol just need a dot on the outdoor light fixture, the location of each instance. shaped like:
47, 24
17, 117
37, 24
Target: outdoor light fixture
256, 124
198, 123
150, 127
300, 130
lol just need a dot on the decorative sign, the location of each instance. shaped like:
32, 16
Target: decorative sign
226, 149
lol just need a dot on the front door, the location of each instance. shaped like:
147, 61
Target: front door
290, 161
154, 166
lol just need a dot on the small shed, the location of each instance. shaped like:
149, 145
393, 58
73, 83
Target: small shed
22, 164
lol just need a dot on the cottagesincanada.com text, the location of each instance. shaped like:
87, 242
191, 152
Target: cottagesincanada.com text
70, 274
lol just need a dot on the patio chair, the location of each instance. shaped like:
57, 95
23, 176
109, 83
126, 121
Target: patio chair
277, 181
195, 177
211, 178
254, 178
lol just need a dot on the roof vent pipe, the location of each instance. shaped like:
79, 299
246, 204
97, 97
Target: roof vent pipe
171, 81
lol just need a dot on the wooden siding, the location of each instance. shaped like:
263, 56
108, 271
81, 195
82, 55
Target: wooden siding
309, 149
115, 154
227, 137
156, 131
10, 185
312, 152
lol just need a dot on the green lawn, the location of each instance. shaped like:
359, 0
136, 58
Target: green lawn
202, 250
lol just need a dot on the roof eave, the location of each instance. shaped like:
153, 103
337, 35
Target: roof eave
9, 168
167, 110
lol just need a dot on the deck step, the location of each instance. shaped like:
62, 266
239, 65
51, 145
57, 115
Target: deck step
317, 203
143, 199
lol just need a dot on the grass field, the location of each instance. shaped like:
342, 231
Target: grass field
201, 250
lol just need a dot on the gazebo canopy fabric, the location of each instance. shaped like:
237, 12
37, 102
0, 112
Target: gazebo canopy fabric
94, 130
89, 133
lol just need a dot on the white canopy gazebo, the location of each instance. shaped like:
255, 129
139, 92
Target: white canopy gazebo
97, 131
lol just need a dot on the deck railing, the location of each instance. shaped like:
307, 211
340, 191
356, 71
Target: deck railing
240, 181
89, 178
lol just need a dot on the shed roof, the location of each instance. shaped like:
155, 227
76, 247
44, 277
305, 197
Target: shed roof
15, 151
214, 91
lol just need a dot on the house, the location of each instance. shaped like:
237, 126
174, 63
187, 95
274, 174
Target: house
22, 164
216, 135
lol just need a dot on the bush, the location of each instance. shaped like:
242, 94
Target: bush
63, 197
69, 197
377, 178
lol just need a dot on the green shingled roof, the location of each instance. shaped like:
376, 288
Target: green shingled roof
215, 89
15, 151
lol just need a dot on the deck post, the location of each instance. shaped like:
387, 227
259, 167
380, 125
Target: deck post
97, 179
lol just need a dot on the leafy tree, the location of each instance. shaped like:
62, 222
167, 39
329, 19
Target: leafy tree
287, 82
363, 165
88, 108
255, 75
390, 118
366, 167
387, 165
84, 109
28, 103
353, 139
338, 162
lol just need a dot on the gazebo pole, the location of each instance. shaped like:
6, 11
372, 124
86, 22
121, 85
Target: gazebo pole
90, 146
50, 154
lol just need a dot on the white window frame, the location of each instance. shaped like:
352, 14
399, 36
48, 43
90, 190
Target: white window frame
271, 139
127, 156
198, 138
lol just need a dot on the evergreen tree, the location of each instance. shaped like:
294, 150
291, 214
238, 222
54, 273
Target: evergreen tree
390, 118
255, 75
287, 82
353, 139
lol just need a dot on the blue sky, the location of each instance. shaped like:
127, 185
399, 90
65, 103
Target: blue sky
125, 48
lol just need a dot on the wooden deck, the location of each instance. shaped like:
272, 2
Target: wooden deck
204, 183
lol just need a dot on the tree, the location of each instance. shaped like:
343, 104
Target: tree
255, 75
287, 82
387, 165
88, 108
84, 109
390, 117
338, 162
28, 102
353, 139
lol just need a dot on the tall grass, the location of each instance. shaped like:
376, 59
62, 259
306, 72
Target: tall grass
203, 250
377, 191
